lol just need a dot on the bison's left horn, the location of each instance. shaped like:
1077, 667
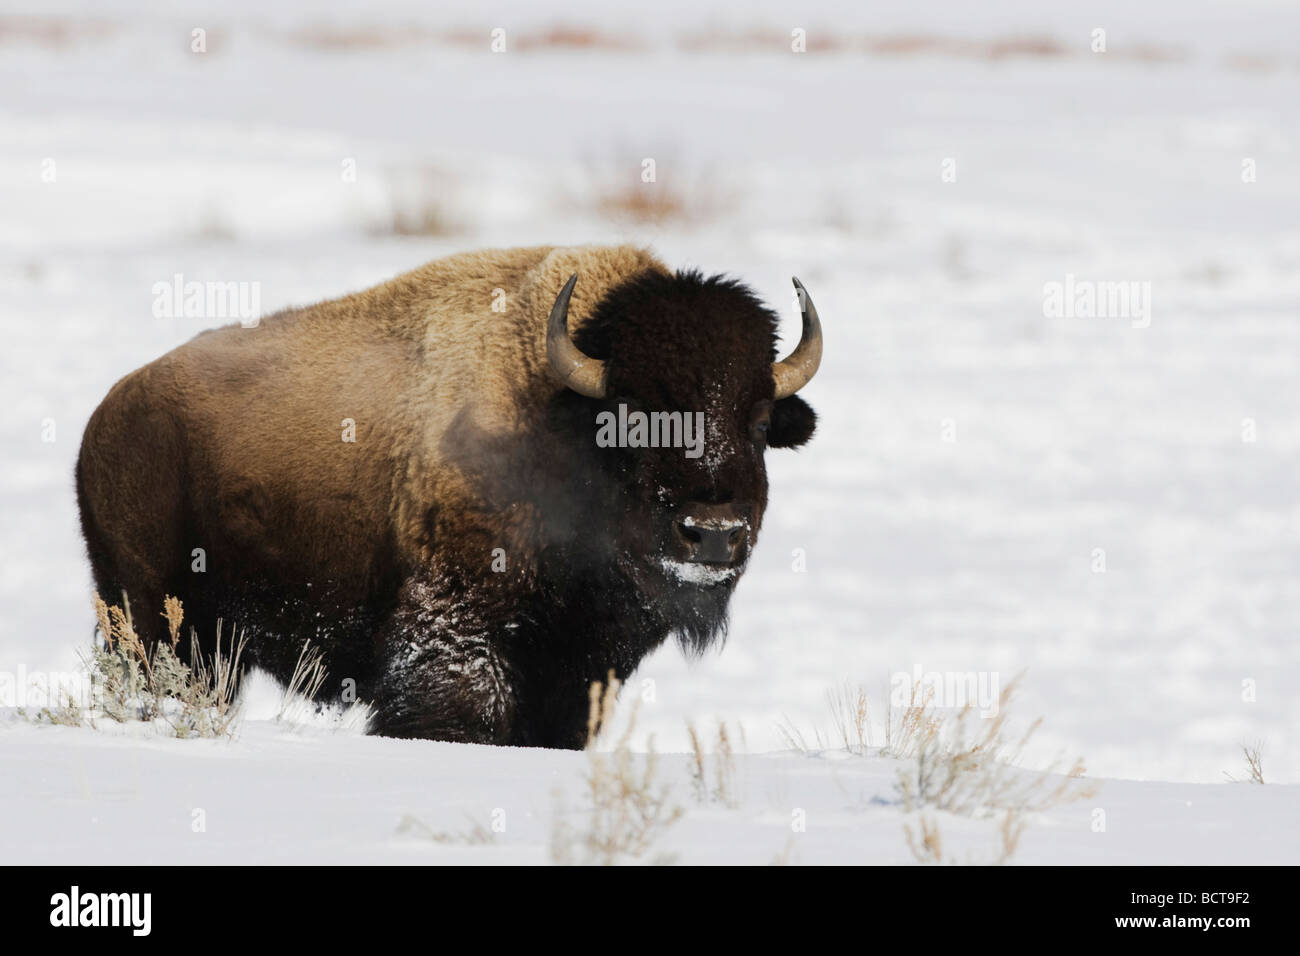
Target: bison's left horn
582, 373
798, 369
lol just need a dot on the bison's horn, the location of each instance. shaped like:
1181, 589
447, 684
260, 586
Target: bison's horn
582, 373
801, 365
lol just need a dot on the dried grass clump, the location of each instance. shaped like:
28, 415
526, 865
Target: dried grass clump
927, 846
955, 762
795, 739
572, 38
851, 717
67, 713
718, 784
1012, 827
993, 49
300, 702
637, 202
914, 727
926, 843
850, 729
681, 193
1254, 764
304, 684
53, 32
967, 765
629, 808
476, 835
601, 701
422, 202
326, 38
129, 683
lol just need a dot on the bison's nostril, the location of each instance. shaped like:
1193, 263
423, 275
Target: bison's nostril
710, 534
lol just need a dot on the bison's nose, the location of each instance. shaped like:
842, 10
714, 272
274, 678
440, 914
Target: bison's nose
711, 534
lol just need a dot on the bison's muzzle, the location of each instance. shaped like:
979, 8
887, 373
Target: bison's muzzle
711, 534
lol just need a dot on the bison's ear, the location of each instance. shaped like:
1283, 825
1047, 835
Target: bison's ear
793, 422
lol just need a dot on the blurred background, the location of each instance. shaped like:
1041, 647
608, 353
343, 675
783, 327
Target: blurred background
927, 170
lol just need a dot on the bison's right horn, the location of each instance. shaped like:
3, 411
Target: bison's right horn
582, 373
800, 366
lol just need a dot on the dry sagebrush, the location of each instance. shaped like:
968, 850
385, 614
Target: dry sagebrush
954, 761
850, 724
714, 777
1254, 756
629, 808
475, 835
129, 683
966, 764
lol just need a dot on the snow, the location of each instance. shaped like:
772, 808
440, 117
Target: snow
977, 461
280, 794
721, 524
695, 573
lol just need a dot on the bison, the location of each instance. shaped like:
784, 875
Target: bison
410, 478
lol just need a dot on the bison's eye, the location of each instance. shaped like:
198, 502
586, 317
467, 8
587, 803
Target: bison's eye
759, 422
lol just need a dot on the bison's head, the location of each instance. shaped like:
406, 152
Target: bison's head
660, 356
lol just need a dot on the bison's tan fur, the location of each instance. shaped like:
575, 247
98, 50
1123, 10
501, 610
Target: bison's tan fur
257, 409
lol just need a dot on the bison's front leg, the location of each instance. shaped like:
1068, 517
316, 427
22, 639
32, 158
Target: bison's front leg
442, 675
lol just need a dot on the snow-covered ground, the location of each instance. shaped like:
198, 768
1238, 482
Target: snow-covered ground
279, 795
977, 462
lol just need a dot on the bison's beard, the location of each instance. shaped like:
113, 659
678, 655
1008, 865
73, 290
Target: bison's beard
686, 601
699, 617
